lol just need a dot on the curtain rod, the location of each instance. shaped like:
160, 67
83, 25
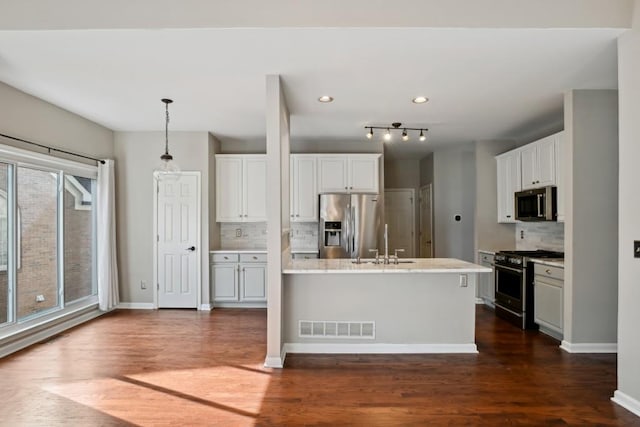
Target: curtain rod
51, 148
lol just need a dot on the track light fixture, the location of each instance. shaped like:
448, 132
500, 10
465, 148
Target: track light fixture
396, 126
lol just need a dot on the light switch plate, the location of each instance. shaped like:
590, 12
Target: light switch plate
636, 248
463, 281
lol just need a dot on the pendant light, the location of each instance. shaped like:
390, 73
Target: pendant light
396, 126
167, 164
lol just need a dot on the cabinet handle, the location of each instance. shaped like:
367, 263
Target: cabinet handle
548, 271
297, 215
255, 257
291, 215
226, 257
508, 216
533, 182
351, 188
240, 215
346, 188
245, 215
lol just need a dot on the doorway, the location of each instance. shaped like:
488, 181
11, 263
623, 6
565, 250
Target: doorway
426, 221
177, 263
399, 214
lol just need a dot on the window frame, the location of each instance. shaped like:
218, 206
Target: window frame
15, 158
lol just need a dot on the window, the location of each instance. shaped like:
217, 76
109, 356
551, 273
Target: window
47, 238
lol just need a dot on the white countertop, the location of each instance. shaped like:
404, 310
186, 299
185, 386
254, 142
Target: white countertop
346, 266
304, 251
238, 251
553, 262
483, 251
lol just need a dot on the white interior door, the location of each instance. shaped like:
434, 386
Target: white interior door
426, 222
399, 215
178, 231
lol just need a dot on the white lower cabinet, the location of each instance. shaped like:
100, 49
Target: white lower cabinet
549, 299
486, 284
239, 280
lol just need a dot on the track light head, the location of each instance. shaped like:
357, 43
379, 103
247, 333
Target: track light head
370, 133
422, 137
405, 135
387, 136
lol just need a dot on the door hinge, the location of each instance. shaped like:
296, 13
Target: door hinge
158, 286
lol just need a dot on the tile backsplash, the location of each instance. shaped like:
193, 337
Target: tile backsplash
243, 235
304, 235
540, 235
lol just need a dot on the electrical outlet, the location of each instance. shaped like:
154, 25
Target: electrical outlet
143, 284
522, 234
464, 281
636, 248
238, 232
40, 298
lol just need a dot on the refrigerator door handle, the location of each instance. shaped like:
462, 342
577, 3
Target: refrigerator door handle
354, 253
347, 232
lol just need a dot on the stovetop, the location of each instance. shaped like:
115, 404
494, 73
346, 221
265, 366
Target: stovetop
540, 253
518, 258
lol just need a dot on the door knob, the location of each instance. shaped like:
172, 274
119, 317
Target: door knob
191, 249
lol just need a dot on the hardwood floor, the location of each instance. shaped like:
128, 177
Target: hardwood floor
175, 367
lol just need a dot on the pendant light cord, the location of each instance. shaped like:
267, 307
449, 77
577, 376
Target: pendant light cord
166, 129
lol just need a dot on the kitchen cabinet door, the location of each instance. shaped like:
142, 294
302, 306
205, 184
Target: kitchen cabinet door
254, 282
487, 281
363, 173
508, 179
255, 188
560, 181
539, 163
332, 174
224, 278
546, 150
229, 192
548, 298
304, 191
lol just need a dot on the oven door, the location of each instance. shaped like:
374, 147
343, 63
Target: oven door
510, 288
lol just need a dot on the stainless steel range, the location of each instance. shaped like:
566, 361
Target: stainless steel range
514, 285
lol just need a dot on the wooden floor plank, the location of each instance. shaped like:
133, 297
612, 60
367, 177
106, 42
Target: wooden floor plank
181, 367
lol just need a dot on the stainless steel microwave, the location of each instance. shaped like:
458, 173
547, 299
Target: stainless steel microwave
538, 204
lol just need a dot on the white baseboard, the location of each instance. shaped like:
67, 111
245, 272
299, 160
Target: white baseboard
136, 306
627, 402
205, 307
275, 361
239, 305
48, 332
479, 301
589, 347
329, 348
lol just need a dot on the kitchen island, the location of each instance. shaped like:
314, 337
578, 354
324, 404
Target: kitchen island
423, 305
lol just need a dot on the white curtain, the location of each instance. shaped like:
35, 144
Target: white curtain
108, 296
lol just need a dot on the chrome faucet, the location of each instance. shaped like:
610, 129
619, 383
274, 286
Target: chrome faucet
386, 243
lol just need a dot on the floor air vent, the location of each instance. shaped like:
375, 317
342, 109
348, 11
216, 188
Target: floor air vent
334, 329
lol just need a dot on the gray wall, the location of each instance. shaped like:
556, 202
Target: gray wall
629, 213
365, 146
489, 234
426, 170
31, 118
454, 193
591, 225
214, 227
137, 153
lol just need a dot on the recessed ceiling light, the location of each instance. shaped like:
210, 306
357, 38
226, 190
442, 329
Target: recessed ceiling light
325, 98
420, 99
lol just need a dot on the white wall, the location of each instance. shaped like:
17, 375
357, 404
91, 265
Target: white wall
33, 119
214, 227
426, 170
137, 153
454, 193
489, 234
591, 225
278, 149
629, 218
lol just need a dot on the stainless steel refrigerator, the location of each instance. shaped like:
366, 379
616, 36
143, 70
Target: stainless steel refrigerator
350, 225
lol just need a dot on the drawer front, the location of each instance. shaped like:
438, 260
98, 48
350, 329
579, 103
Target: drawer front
304, 256
486, 258
253, 257
549, 271
224, 257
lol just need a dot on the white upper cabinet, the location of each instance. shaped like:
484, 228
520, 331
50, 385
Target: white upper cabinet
340, 173
508, 171
363, 173
538, 163
304, 188
332, 174
241, 188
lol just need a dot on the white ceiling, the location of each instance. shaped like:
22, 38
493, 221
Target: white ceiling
482, 83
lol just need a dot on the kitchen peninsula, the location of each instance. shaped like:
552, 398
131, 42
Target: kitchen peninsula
417, 306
